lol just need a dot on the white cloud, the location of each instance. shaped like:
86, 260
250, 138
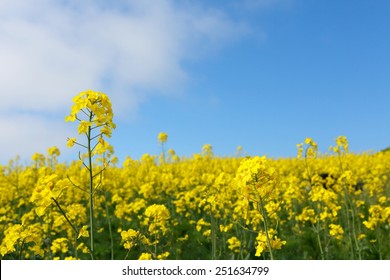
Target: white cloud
50, 50
255, 5
25, 134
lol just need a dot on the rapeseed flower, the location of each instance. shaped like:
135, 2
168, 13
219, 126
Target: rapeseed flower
164, 211
336, 231
261, 240
156, 218
130, 238
60, 245
256, 178
83, 232
145, 256
234, 244
162, 137
97, 108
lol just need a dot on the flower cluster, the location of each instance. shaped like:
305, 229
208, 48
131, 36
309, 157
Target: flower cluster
261, 240
185, 208
93, 111
257, 178
330, 206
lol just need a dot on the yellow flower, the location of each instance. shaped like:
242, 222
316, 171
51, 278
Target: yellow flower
70, 118
53, 151
131, 237
207, 150
157, 217
226, 228
96, 109
308, 149
234, 244
106, 130
145, 256
39, 158
261, 240
201, 223
307, 214
129, 234
181, 239
163, 256
37, 250
256, 178
70, 142
59, 245
83, 248
342, 141
310, 142
277, 243
336, 231
47, 187
12, 236
84, 126
383, 199
361, 236
162, 137
83, 232
377, 215
103, 147
359, 203
341, 145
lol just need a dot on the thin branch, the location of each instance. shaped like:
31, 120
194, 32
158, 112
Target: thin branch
82, 110
96, 136
80, 188
81, 145
83, 162
94, 146
98, 126
245, 228
97, 187
66, 217
101, 171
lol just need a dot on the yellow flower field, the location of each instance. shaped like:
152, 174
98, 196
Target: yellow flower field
314, 206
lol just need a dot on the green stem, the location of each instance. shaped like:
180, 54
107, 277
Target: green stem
21, 250
264, 214
319, 239
350, 207
90, 169
65, 216
213, 238
379, 243
109, 227
163, 153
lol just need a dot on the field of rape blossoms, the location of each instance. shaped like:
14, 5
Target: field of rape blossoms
314, 206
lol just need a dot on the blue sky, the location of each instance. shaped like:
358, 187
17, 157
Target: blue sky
263, 74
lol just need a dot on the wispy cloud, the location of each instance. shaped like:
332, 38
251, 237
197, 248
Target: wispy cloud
24, 134
51, 50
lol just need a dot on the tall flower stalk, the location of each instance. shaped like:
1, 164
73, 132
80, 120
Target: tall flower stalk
93, 111
308, 151
258, 180
341, 150
162, 139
